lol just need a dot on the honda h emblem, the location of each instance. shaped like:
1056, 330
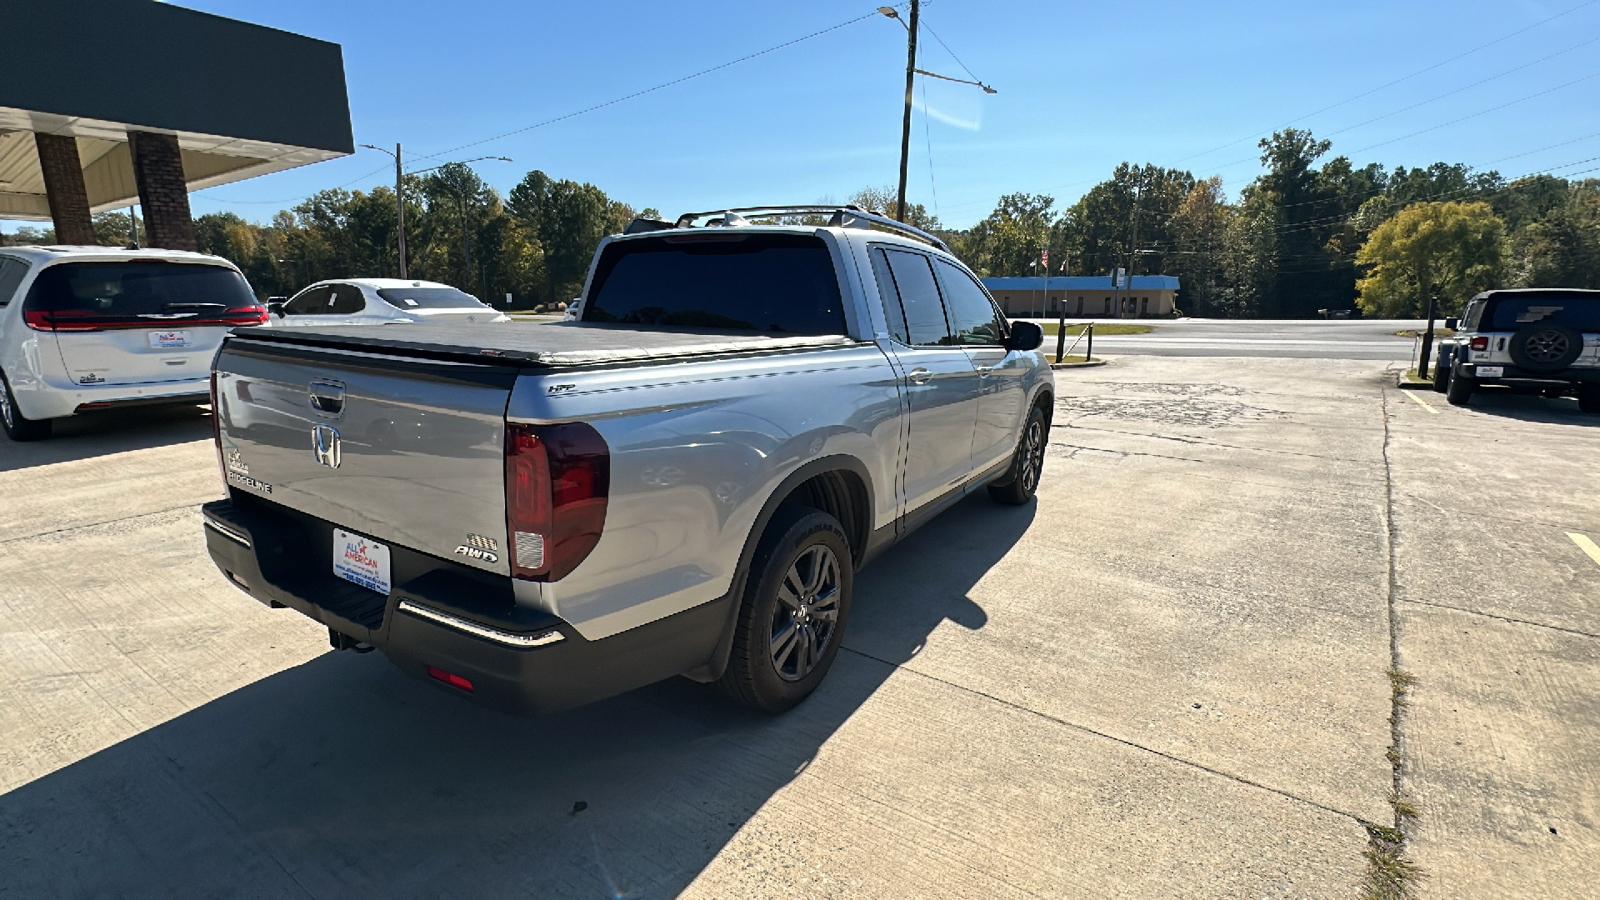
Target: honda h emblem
325, 445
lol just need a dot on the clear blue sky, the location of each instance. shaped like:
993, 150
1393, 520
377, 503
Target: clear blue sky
1081, 88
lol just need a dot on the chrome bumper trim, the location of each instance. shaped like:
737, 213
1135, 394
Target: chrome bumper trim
510, 639
231, 534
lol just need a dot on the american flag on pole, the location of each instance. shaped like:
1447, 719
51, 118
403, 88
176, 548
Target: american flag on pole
1045, 260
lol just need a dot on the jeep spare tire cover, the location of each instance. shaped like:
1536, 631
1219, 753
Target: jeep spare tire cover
1546, 347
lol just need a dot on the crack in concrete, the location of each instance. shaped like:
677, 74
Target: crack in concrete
1239, 779
1198, 442
1514, 621
71, 528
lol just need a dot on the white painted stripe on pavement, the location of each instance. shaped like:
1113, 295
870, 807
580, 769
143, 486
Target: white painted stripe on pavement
1425, 404
1586, 545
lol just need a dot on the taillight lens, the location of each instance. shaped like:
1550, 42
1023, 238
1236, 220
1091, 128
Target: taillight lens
558, 479
1480, 343
87, 320
61, 320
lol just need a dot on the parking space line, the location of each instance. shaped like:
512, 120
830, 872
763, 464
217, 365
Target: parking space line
1425, 404
1586, 545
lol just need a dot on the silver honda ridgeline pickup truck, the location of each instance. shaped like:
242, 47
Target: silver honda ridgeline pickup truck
682, 481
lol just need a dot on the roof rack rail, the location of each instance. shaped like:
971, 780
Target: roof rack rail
845, 216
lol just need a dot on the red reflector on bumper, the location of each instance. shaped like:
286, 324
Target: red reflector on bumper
449, 678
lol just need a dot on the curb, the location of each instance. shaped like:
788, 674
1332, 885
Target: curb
1405, 383
1079, 365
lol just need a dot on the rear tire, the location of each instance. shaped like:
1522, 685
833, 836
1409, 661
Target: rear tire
17, 426
1021, 480
793, 615
1589, 398
1459, 391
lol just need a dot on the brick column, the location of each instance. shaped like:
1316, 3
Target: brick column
63, 187
163, 195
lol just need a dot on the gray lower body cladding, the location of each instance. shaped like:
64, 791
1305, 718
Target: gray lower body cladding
509, 653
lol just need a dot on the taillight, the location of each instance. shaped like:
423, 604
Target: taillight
1480, 343
558, 478
450, 678
60, 320
249, 315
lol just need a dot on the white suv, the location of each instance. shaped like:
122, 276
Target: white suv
85, 328
1532, 339
380, 301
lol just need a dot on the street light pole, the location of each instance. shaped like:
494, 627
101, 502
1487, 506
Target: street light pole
905, 127
399, 203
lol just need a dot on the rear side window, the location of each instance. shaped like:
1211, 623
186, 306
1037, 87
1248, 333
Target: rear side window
922, 319
12, 272
775, 283
347, 300
1580, 312
138, 292
428, 298
317, 301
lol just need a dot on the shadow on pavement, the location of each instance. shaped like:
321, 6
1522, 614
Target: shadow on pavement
341, 777
109, 431
1531, 407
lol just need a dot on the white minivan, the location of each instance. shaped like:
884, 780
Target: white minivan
85, 328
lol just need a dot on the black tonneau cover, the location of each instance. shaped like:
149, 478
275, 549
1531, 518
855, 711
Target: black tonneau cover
553, 345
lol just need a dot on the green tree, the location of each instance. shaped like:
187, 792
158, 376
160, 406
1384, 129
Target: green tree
1451, 247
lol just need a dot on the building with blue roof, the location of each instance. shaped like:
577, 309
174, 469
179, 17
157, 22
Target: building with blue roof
1089, 296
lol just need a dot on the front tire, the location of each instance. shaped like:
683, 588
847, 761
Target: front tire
1459, 392
1441, 373
794, 611
1022, 478
17, 426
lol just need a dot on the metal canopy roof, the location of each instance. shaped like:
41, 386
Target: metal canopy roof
243, 100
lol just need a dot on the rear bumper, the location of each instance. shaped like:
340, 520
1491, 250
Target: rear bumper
51, 401
1513, 373
444, 615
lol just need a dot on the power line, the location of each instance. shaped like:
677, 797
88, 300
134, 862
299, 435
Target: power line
949, 51
676, 81
1399, 80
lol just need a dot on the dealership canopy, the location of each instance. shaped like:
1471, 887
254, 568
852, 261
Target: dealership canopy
109, 102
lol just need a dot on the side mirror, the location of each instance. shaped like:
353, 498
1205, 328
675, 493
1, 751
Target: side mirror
1025, 335
1451, 323
275, 308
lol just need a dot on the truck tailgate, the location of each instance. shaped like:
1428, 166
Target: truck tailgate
406, 451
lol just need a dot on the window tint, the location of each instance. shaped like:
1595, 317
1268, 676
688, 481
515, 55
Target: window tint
312, 302
1474, 313
347, 300
112, 291
893, 314
774, 283
11, 274
919, 298
972, 316
1578, 311
428, 298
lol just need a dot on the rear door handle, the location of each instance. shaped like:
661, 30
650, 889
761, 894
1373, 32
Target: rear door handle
983, 371
919, 375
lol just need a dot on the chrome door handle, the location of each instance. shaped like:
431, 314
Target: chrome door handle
983, 371
919, 375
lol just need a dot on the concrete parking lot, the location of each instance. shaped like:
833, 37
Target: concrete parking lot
1173, 676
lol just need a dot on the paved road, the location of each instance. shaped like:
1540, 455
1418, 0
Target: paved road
1303, 338
1168, 677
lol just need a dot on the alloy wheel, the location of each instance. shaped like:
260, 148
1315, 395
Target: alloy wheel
806, 614
1546, 346
1032, 455
5, 405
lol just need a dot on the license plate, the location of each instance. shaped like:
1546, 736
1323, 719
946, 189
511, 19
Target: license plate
171, 340
1491, 371
361, 561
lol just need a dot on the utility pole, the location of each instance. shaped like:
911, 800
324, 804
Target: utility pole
400, 209
905, 128
1133, 249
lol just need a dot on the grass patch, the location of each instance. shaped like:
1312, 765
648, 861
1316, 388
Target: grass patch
1391, 875
1400, 682
1100, 328
1418, 332
1069, 358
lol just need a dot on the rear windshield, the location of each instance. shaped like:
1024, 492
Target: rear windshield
137, 291
776, 283
428, 298
1578, 311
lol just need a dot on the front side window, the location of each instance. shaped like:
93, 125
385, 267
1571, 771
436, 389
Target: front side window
347, 300
764, 282
973, 319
